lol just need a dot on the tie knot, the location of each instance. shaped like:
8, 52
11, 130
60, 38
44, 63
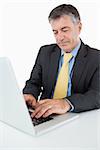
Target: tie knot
67, 57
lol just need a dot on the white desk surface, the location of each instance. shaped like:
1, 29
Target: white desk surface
80, 134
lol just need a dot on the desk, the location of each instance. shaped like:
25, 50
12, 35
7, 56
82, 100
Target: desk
80, 134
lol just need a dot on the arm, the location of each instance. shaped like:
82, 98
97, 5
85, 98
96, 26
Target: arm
91, 98
33, 85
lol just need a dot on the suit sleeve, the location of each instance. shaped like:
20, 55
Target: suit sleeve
91, 98
33, 85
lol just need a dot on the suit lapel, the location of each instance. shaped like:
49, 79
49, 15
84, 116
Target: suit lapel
53, 67
79, 66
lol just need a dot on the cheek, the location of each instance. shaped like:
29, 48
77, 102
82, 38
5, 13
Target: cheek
69, 36
57, 40
74, 36
56, 37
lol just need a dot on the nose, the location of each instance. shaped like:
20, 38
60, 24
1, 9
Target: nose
60, 37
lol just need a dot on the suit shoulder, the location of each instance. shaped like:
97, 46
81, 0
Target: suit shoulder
49, 47
93, 54
92, 50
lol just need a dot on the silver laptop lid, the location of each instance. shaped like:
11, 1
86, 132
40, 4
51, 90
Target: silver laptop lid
13, 110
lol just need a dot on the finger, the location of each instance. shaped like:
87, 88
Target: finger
33, 103
35, 112
43, 111
48, 112
41, 102
37, 105
29, 103
39, 111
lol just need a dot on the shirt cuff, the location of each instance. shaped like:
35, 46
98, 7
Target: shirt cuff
72, 107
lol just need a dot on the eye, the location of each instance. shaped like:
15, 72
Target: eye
55, 32
65, 30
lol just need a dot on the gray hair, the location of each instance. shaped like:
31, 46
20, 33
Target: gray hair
62, 10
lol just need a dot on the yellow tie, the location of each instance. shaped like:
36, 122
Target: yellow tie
63, 77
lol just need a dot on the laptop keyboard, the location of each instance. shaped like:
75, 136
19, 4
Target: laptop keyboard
40, 120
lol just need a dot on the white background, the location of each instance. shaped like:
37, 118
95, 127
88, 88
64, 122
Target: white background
24, 28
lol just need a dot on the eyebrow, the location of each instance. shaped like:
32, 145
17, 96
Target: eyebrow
66, 27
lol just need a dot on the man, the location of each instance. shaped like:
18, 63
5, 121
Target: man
83, 87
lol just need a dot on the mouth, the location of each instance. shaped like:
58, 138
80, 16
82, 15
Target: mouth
63, 44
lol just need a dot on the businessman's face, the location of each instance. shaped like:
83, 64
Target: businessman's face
66, 32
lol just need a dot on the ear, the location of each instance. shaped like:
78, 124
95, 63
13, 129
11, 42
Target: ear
80, 26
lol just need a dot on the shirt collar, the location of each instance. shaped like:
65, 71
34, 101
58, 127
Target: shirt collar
74, 51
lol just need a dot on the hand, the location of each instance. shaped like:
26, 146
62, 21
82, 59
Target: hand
46, 107
30, 99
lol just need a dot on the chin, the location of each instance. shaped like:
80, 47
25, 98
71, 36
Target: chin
66, 49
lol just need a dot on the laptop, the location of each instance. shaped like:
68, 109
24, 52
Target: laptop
13, 108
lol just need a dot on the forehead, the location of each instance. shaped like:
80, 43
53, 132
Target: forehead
63, 21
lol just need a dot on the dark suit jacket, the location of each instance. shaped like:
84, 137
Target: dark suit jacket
85, 91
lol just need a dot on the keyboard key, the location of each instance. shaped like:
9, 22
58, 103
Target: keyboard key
40, 120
